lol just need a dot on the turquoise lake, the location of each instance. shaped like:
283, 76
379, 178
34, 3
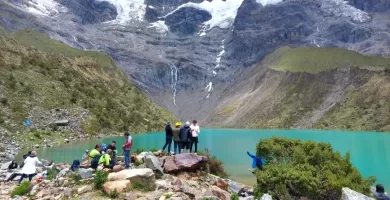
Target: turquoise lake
370, 151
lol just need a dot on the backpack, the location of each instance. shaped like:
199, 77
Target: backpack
104, 147
13, 165
95, 161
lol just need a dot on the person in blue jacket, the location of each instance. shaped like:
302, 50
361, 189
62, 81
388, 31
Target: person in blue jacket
257, 162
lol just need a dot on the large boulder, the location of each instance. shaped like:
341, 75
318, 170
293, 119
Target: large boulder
141, 157
234, 186
119, 186
348, 194
222, 184
153, 163
170, 165
85, 173
143, 176
188, 161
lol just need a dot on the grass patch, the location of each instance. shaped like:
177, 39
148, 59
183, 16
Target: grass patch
114, 194
58, 76
140, 187
22, 189
153, 150
139, 150
234, 196
51, 174
227, 110
315, 60
76, 178
100, 179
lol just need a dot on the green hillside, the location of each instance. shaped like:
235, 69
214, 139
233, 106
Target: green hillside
315, 60
37, 73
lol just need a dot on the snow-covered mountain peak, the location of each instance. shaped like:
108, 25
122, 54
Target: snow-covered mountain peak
49, 8
128, 10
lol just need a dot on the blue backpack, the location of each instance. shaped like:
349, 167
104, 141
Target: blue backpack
75, 165
104, 147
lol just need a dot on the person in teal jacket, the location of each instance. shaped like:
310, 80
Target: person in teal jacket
257, 162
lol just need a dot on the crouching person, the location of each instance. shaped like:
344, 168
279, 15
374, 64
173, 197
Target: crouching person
105, 161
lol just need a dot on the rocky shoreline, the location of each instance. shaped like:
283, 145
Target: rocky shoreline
153, 176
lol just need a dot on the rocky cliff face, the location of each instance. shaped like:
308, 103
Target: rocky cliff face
184, 54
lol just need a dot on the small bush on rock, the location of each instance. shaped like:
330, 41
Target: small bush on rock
294, 169
138, 150
234, 196
153, 150
21, 190
51, 174
100, 178
214, 165
114, 194
140, 187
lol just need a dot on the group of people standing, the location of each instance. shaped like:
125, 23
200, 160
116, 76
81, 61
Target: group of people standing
184, 137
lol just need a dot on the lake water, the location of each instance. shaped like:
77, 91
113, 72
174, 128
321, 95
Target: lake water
370, 151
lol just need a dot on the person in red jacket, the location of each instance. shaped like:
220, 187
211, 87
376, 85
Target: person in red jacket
126, 149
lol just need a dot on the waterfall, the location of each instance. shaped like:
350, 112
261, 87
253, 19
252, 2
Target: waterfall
174, 77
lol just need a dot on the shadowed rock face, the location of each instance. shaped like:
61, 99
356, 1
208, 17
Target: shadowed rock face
151, 57
91, 11
186, 20
371, 5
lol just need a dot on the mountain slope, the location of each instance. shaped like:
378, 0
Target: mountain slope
309, 87
44, 80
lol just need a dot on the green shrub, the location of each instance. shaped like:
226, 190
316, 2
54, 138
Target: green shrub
153, 150
214, 165
294, 169
138, 150
37, 135
137, 163
51, 174
100, 178
4, 101
114, 194
234, 196
22, 189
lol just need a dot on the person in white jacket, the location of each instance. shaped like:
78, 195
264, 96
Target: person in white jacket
195, 130
29, 168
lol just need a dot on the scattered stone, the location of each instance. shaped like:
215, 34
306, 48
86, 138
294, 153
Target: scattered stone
63, 172
44, 193
61, 166
5, 165
222, 184
348, 194
68, 192
85, 173
63, 122
84, 189
58, 197
266, 197
222, 194
234, 186
162, 184
153, 163
119, 186
131, 196
177, 182
190, 191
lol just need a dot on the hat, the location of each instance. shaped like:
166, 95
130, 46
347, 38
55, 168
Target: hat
168, 123
188, 123
86, 151
178, 124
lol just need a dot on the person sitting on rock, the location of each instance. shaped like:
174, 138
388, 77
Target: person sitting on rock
257, 162
29, 168
94, 152
380, 193
112, 146
105, 160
